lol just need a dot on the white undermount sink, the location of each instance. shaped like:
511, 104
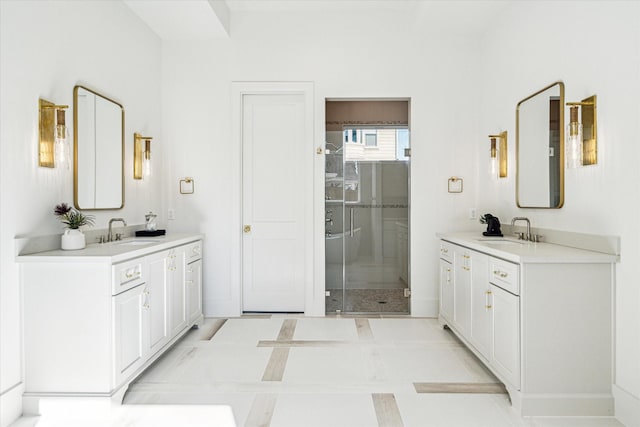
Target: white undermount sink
501, 242
135, 242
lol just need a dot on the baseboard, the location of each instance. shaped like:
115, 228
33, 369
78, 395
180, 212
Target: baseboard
558, 405
627, 407
11, 405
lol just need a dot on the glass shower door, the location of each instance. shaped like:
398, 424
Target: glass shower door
375, 220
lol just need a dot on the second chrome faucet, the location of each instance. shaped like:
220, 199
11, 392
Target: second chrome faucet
528, 236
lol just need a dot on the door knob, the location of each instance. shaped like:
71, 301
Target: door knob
247, 228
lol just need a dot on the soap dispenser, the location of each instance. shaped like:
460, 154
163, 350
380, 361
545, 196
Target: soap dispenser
150, 218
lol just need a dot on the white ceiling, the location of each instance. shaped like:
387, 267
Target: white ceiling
205, 19
180, 19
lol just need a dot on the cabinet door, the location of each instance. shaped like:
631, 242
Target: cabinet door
157, 294
481, 306
194, 290
462, 291
129, 324
446, 290
176, 280
506, 334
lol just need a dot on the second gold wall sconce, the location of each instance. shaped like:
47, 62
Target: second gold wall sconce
141, 156
582, 139
498, 165
53, 149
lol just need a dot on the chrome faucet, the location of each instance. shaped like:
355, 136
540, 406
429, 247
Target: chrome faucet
111, 221
520, 235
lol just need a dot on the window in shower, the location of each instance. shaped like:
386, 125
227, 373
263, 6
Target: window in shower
367, 212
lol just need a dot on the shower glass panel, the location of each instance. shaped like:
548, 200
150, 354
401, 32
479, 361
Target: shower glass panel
367, 211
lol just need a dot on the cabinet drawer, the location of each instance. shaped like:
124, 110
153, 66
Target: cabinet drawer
505, 275
446, 251
128, 275
194, 251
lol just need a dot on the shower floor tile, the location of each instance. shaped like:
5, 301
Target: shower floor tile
368, 301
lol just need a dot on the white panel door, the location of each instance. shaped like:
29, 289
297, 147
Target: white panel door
273, 189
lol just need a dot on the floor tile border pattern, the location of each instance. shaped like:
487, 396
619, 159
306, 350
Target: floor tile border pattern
217, 325
476, 388
385, 405
279, 355
387, 411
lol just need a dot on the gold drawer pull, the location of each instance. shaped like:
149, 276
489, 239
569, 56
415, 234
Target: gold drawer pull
487, 307
131, 274
500, 273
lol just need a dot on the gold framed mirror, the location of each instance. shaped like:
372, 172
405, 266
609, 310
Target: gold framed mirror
540, 149
98, 151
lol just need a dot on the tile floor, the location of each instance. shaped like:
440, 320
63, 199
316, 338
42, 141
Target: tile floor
332, 371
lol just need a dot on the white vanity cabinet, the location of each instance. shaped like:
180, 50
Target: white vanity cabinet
482, 313
176, 265
462, 290
157, 300
446, 281
193, 281
505, 351
94, 319
538, 315
130, 331
194, 290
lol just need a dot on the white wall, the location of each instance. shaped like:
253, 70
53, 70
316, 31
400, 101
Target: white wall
342, 55
46, 49
533, 45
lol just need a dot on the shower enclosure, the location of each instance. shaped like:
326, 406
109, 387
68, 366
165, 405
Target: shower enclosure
366, 219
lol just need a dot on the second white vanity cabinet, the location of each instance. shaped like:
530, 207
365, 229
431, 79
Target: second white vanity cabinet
176, 265
131, 326
193, 284
538, 315
94, 319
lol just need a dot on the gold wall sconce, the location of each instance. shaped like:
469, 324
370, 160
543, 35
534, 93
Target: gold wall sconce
498, 165
141, 156
53, 149
582, 137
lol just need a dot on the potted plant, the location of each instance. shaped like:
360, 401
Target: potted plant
73, 219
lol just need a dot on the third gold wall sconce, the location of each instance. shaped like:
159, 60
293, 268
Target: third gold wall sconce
141, 156
53, 149
498, 165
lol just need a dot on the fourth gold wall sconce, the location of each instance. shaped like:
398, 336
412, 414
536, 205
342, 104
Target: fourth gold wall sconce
498, 165
582, 140
141, 156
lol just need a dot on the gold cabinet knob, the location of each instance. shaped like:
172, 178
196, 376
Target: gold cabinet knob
247, 229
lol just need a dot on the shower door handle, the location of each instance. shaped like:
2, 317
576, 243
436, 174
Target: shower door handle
350, 222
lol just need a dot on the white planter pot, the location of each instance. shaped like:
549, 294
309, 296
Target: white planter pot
73, 240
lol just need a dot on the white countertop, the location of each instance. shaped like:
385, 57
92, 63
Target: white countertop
519, 251
113, 252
